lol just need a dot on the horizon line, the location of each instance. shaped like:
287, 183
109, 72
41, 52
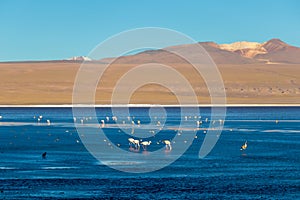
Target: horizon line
146, 105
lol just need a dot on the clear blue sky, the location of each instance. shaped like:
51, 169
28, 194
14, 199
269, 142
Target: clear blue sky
58, 29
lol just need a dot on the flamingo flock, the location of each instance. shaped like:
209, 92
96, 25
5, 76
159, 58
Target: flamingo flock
135, 123
137, 143
134, 143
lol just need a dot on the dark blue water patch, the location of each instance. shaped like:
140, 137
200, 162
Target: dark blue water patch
224, 187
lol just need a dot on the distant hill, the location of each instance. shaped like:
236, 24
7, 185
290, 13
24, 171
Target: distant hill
278, 51
272, 51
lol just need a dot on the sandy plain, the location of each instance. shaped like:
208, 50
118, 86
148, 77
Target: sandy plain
51, 83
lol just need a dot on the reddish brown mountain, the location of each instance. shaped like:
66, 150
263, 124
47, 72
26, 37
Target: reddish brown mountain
280, 52
272, 51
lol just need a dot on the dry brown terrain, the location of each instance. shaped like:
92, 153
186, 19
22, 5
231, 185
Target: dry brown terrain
52, 83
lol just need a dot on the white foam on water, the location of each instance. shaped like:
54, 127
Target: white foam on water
5, 168
116, 163
16, 123
263, 120
59, 167
246, 130
281, 131
35, 124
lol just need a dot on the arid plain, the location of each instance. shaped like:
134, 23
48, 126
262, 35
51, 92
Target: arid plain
27, 83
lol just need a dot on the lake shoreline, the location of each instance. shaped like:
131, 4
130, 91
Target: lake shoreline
149, 105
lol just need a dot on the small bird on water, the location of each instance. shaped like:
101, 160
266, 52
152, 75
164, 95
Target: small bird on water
44, 155
244, 146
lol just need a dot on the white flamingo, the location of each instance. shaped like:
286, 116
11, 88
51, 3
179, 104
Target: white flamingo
131, 141
145, 144
136, 144
168, 144
48, 122
102, 123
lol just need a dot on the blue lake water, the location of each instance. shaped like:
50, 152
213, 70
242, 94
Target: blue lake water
268, 168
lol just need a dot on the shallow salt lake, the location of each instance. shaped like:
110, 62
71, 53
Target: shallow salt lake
268, 168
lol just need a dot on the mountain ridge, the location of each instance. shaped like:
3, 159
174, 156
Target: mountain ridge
241, 52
